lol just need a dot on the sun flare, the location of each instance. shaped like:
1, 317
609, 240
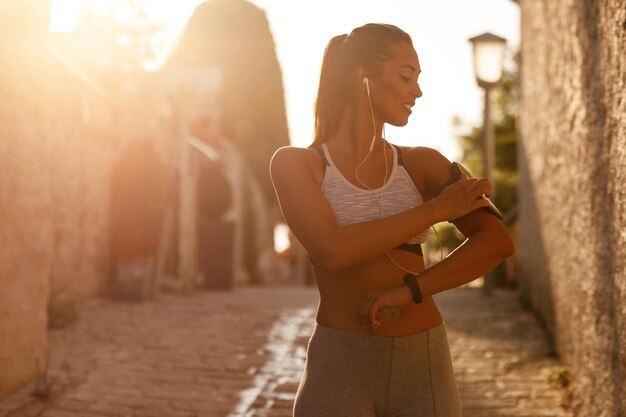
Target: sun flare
64, 15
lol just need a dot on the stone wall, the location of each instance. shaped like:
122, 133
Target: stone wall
26, 235
54, 208
572, 159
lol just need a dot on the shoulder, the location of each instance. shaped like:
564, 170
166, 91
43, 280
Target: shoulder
293, 154
428, 168
292, 160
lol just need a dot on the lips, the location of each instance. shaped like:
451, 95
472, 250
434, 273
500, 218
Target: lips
408, 106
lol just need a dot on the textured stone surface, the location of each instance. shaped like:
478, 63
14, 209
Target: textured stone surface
241, 353
53, 204
26, 232
572, 161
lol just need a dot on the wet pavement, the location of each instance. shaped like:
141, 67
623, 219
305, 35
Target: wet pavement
240, 354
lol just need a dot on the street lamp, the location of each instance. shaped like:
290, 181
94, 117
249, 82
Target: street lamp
488, 61
488, 58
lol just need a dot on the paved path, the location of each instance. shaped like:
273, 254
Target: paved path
240, 354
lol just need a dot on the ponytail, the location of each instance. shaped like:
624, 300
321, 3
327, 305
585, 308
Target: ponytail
333, 89
368, 46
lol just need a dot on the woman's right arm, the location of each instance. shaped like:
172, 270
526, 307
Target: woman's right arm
311, 218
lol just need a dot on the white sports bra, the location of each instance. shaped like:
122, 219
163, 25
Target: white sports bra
352, 204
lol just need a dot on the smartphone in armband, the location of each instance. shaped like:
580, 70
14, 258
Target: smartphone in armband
457, 170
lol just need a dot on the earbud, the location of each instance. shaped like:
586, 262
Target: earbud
369, 98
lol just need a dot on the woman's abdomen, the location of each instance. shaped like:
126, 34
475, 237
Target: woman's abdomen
341, 294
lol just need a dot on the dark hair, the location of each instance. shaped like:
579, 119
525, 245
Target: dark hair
369, 46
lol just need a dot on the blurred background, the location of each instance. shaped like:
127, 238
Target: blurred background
136, 137
300, 32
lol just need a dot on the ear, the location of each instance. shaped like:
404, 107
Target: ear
360, 74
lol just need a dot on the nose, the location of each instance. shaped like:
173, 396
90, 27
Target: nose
417, 91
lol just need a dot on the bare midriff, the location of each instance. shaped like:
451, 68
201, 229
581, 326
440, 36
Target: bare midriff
343, 291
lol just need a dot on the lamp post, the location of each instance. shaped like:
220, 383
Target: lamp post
488, 60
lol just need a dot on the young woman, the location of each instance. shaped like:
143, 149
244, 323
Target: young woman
362, 207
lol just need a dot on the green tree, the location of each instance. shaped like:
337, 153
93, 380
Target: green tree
125, 44
505, 100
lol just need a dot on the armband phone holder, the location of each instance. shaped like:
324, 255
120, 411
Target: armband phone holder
457, 170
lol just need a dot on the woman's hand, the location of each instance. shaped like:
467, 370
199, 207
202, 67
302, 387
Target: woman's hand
462, 197
385, 303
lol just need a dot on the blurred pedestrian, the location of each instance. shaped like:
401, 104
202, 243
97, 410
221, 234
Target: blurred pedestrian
362, 207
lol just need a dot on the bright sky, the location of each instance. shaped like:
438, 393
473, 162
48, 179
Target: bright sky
301, 29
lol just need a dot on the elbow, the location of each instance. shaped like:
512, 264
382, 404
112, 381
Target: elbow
331, 260
331, 263
505, 247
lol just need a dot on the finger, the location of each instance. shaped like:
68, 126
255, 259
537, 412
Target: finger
482, 202
488, 192
461, 186
365, 308
466, 181
486, 186
374, 311
368, 305
480, 187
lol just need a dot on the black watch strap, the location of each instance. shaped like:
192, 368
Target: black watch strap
411, 281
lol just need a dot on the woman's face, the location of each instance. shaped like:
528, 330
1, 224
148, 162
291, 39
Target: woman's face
395, 89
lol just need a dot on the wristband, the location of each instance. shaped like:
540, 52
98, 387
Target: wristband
411, 281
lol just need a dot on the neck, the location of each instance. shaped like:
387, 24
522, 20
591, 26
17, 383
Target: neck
355, 132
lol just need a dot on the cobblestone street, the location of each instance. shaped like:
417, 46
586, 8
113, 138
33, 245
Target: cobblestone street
240, 354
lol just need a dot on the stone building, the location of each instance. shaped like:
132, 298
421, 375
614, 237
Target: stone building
235, 36
572, 160
67, 122
54, 173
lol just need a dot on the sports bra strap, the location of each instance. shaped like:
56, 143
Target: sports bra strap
400, 161
325, 162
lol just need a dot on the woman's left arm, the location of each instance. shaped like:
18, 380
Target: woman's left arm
487, 244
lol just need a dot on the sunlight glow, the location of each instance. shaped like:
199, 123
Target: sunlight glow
281, 237
440, 32
64, 15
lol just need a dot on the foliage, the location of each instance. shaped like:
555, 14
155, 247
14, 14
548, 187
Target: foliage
504, 108
441, 243
558, 376
504, 112
127, 38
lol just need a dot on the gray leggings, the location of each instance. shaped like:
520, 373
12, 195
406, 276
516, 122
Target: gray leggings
355, 375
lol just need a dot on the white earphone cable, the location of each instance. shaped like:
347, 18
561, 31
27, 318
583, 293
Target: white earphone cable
356, 172
379, 199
